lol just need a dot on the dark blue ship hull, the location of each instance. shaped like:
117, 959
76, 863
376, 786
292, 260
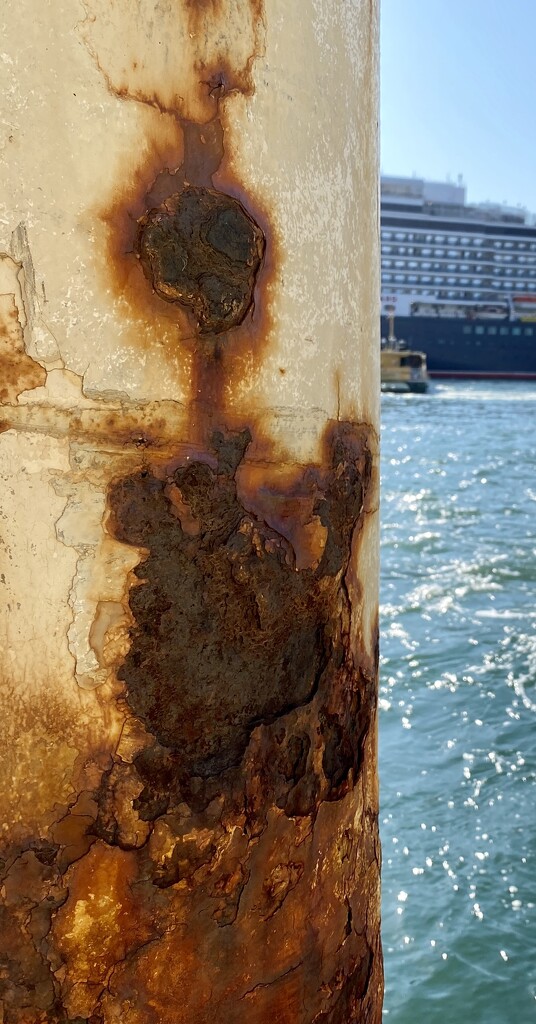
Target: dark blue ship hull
478, 349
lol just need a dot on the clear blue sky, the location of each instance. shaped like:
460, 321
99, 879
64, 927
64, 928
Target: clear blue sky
459, 94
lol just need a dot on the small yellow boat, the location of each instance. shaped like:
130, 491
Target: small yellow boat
403, 370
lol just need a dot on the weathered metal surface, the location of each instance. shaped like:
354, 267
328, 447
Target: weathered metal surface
202, 249
189, 408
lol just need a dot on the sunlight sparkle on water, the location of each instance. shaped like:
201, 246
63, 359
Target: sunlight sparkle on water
458, 700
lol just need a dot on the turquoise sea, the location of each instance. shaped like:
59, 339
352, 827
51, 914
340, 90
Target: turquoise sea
458, 704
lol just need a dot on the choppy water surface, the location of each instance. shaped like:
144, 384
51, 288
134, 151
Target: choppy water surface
458, 704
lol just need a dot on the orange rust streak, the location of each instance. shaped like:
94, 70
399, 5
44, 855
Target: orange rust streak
101, 921
129, 202
215, 69
18, 371
213, 375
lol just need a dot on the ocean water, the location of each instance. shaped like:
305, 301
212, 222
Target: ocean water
458, 704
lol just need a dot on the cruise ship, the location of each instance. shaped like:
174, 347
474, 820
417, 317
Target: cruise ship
458, 280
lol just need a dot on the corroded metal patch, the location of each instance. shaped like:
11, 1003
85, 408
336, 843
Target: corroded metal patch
228, 634
195, 854
202, 249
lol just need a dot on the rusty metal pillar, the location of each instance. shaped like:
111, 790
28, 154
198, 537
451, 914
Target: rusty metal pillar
189, 409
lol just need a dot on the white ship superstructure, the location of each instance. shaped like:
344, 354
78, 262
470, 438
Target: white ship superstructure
443, 257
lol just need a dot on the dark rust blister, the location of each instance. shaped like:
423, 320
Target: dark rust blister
202, 249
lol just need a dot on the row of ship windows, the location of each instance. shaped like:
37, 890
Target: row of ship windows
486, 255
459, 267
444, 294
462, 282
410, 236
516, 331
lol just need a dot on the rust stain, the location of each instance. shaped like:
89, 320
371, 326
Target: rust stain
201, 249
91, 931
180, 160
180, 61
130, 199
166, 329
221, 581
248, 716
18, 371
217, 70
208, 845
